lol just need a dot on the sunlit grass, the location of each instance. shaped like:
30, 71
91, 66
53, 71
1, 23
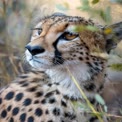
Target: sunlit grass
116, 67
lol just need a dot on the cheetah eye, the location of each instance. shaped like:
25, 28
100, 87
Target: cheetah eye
69, 35
38, 31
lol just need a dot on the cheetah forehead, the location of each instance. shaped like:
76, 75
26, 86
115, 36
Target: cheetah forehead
59, 23
60, 19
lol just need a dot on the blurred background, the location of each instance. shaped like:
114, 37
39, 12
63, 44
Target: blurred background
18, 16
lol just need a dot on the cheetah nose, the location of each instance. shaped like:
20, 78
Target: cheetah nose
34, 50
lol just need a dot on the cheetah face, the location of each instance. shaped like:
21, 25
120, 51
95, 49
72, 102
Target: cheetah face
55, 43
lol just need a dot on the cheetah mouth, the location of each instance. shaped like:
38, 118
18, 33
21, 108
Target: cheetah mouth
37, 63
35, 60
54, 61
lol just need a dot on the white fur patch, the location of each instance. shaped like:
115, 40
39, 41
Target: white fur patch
62, 76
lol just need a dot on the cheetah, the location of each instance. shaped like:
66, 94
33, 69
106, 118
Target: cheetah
47, 93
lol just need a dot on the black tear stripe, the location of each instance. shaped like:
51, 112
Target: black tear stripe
57, 60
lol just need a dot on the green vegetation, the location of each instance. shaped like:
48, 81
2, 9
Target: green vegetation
116, 67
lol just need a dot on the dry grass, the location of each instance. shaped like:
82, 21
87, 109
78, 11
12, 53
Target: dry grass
15, 23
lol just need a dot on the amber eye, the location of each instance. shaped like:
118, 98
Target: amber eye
69, 36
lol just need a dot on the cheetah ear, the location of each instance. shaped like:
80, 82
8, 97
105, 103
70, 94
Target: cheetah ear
113, 34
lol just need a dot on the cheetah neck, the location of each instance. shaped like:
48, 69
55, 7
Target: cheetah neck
82, 74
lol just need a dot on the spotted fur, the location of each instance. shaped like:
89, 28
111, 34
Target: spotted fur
48, 93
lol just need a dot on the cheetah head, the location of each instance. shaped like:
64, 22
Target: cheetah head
56, 43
